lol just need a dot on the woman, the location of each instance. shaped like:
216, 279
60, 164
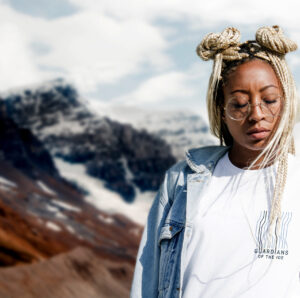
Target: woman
226, 221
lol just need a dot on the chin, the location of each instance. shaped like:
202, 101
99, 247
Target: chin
259, 146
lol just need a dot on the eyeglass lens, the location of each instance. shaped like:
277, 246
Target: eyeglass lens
239, 108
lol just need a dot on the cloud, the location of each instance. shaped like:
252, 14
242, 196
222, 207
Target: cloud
210, 13
97, 49
16, 67
170, 85
43, 8
104, 42
172, 89
87, 48
199, 18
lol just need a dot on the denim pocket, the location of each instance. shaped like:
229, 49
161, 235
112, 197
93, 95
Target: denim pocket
170, 242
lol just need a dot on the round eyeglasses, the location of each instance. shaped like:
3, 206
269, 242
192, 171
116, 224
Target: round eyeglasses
239, 108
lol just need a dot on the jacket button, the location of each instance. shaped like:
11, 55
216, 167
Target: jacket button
170, 228
178, 289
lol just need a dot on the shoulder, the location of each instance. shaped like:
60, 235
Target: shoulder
197, 160
205, 158
198, 157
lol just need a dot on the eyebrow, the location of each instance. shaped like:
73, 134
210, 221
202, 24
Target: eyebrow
238, 90
268, 86
260, 90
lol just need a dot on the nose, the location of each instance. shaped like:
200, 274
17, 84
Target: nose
256, 113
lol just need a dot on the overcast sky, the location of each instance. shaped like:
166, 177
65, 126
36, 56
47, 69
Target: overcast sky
130, 52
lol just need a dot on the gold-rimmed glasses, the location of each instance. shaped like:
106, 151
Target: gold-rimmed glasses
238, 107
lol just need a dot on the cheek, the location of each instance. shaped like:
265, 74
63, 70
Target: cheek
235, 128
275, 124
231, 124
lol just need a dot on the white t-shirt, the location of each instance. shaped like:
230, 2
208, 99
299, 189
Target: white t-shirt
229, 253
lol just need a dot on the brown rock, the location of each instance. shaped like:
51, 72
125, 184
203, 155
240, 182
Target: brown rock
79, 273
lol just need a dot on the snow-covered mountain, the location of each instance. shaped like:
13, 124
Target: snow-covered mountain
112, 160
127, 160
181, 129
64, 174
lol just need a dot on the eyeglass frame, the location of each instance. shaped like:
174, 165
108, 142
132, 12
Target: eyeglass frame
253, 105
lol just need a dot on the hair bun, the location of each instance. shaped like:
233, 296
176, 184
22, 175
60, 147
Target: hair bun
274, 39
214, 43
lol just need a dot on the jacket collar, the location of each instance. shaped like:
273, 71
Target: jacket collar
205, 158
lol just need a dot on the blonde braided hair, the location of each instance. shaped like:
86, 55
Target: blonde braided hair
270, 45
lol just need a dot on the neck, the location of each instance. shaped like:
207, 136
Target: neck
243, 158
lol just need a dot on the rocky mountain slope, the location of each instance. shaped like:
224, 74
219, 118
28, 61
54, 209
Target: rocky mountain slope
56, 240
123, 157
53, 242
75, 274
180, 129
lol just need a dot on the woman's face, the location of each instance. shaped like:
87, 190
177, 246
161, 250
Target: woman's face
255, 82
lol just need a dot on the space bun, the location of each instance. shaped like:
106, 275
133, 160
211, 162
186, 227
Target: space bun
225, 42
274, 40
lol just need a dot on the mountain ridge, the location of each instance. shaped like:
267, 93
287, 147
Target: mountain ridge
57, 117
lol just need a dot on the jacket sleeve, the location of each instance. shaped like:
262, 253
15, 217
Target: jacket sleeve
145, 280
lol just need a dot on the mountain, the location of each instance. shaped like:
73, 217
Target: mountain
53, 241
127, 159
22, 149
75, 274
63, 173
181, 129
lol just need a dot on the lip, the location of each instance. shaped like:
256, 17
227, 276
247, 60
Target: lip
258, 133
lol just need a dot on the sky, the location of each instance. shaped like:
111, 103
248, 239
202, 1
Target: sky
133, 53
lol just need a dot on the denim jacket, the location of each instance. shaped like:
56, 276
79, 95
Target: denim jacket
161, 256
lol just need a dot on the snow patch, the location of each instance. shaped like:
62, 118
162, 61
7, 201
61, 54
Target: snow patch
128, 174
63, 127
108, 220
70, 229
60, 215
52, 208
7, 182
66, 206
104, 199
45, 188
55, 209
6, 188
53, 226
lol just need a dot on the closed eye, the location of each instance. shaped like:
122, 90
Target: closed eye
270, 101
239, 106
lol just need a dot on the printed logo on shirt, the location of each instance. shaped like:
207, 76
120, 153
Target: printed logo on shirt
272, 246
